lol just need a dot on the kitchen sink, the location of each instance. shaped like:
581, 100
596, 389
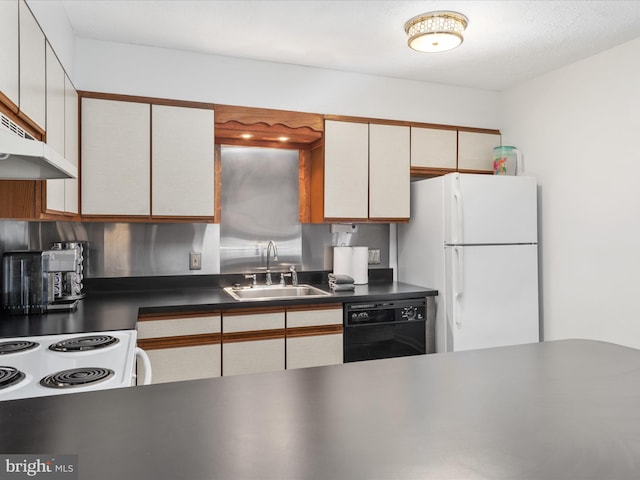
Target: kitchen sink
275, 292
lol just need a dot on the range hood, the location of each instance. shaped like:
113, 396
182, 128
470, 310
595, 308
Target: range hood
24, 158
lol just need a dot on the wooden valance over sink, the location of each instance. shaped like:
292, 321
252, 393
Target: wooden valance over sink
267, 128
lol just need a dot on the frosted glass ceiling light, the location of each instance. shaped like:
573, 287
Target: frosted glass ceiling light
435, 31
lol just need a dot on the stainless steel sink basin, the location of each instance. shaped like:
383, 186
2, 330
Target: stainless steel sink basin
275, 292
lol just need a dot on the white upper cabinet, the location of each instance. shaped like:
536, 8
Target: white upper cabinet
71, 194
475, 150
366, 171
55, 125
433, 148
183, 161
115, 153
389, 158
346, 169
32, 68
9, 59
62, 121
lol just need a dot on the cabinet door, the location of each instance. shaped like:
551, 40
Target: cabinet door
178, 327
183, 154
70, 144
253, 342
314, 337
346, 170
55, 125
32, 68
181, 348
252, 356
183, 363
115, 156
9, 59
433, 148
314, 351
475, 150
389, 177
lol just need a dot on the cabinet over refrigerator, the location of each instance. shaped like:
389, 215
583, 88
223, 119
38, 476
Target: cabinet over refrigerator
474, 238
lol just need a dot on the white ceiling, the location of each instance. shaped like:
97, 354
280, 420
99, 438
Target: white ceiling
506, 42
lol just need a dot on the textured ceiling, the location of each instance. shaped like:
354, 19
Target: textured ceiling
506, 42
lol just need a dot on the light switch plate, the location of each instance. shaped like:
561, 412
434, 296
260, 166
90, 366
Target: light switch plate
374, 256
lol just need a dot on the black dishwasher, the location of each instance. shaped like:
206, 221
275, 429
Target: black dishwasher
387, 329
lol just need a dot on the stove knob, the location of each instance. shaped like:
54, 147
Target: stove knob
409, 313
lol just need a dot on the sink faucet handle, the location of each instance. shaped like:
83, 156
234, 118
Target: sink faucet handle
252, 276
294, 275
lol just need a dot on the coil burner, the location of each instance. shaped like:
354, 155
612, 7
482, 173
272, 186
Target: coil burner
77, 377
83, 344
16, 346
10, 376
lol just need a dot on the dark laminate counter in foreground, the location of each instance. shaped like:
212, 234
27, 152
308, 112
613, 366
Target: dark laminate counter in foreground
557, 410
117, 309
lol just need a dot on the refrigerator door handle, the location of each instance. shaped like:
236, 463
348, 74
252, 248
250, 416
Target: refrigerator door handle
458, 284
457, 234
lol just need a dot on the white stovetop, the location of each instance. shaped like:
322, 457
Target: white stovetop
40, 362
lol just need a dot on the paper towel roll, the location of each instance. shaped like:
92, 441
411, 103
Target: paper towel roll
342, 257
360, 265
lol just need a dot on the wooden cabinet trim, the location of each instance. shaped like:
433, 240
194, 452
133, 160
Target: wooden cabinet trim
252, 311
423, 172
142, 99
269, 117
180, 341
253, 335
319, 306
437, 126
485, 172
143, 317
316, 330
12, 107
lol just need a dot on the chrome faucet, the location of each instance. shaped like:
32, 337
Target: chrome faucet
271, 246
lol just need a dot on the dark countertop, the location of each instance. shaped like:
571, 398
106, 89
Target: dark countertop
555, 410
114, 304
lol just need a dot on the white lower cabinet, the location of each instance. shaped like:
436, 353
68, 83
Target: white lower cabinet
253, 341
253, 356
314, 336
235, 342
181, 348
183, 363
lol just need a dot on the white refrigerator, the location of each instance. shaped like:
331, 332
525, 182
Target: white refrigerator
474, 238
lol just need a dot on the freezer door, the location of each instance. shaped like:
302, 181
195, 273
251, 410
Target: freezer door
492, 296
490, 209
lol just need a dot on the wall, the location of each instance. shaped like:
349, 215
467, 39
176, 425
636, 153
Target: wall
137, 70
578, 128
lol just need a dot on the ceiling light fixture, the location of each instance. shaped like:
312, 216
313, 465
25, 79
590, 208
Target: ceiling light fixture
436, 31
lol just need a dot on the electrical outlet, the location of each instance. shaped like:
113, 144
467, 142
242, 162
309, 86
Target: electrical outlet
195, 261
